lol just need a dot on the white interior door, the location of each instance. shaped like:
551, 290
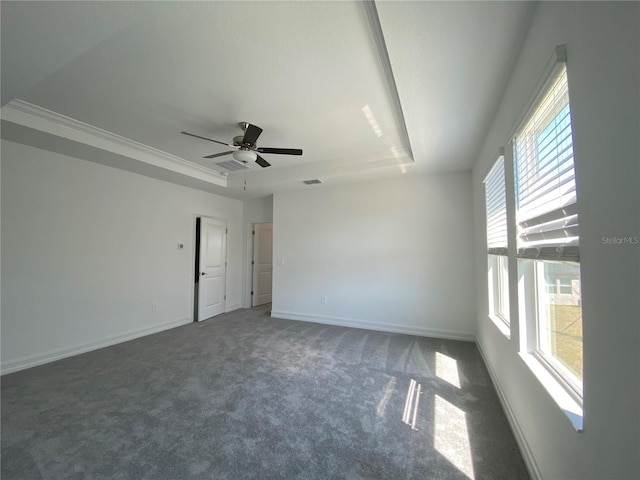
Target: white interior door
213, 266
262, 263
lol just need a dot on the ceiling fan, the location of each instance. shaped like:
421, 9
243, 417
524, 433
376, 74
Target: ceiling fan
244, 146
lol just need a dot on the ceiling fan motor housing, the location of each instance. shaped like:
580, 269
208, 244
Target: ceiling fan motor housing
247, 151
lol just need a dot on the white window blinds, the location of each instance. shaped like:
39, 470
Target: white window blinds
545, 177
496, 200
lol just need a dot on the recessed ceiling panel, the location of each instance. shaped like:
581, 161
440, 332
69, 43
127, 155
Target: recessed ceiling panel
451, 61
309, 74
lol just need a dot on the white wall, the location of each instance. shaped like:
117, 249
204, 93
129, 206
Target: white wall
87, 249
603, 51
391, 255
258, 210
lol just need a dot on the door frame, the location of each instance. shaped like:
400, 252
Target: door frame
253, 260
248, 271
195, 269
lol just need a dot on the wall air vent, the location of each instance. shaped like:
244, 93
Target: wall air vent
315, 181
233, 165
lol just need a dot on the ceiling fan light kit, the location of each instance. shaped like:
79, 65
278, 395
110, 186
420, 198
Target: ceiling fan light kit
245, 156
245, 149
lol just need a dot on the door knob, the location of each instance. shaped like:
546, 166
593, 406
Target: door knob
202, 273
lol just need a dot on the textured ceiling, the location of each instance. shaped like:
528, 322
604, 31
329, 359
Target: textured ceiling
313, 75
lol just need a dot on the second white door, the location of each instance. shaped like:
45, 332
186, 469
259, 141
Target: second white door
262, 263
213, 260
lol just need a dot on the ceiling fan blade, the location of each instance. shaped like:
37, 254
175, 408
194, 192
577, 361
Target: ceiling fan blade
262, 162
209, 139
218, 154
251, 134
280, 151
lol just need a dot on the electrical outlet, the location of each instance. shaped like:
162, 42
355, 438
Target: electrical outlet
155, 307
323, 299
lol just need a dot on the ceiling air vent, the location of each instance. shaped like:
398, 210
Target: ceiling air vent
315, 181
233, 165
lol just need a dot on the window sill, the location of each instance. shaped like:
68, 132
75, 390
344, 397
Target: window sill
571, 408
502, 325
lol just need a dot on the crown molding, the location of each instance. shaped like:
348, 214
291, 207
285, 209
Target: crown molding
39, 118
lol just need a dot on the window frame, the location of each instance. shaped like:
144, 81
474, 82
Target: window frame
563, 386
497, 257
567, 399
561, 373
499, 293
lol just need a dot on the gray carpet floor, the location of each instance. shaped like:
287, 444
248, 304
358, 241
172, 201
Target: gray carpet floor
247, 396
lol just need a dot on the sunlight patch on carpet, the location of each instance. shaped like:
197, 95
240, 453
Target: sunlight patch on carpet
411, 404
451, 438
385, 398
447, 369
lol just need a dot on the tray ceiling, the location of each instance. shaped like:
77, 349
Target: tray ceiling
411, 93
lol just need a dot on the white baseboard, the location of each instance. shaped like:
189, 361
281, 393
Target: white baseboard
29, 361
231, 308
525, 449
383, 327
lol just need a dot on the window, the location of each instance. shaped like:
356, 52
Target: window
548, 238
496, 215
560, 319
